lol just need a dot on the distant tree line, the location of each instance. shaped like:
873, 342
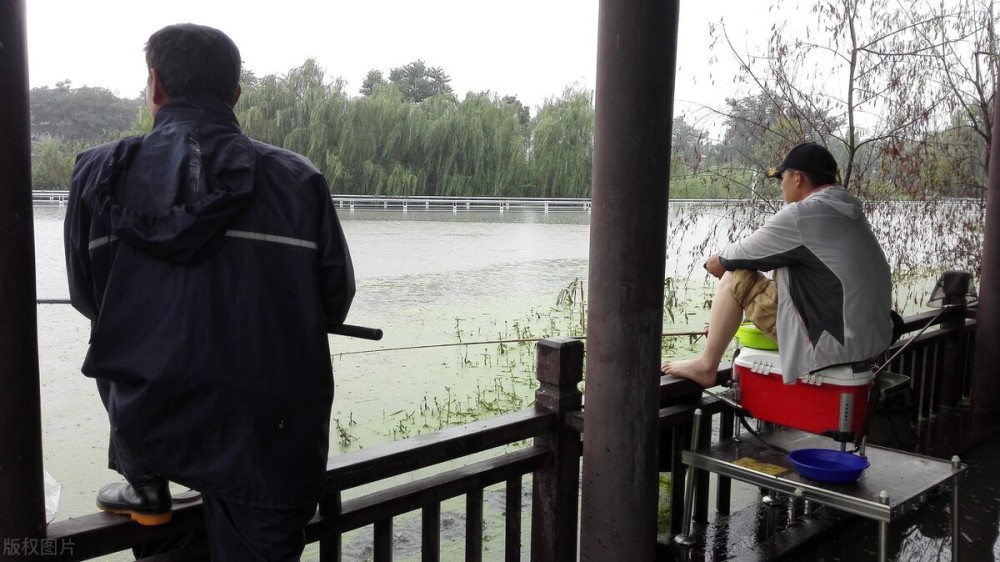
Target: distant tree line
408, 135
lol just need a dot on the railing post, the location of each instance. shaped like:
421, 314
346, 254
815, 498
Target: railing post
22, 517
330, 547
556, 489
955, 285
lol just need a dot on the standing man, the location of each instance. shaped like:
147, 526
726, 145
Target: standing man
829, 302
211, 267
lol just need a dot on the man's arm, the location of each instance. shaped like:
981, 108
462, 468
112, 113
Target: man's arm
76, 237
776, 244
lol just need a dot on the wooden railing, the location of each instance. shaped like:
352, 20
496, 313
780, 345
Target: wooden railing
939, 361
541, 444
462, 461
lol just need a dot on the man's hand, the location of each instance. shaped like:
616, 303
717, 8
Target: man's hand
714, 266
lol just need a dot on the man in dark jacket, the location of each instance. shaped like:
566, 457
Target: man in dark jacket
212, 267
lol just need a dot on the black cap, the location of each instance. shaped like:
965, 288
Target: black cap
807, 157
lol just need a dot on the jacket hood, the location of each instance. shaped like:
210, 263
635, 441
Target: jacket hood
840, 200
173, 192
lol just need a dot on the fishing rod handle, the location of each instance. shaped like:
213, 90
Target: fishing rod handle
348, 330
362, 332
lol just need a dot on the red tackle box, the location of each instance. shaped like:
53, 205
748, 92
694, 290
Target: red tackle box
831, 402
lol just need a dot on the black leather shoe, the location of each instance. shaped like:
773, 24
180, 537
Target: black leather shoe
146, 505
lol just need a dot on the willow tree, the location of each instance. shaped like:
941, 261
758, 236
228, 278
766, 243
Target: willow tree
300, 111
327, 131
52, 162
435, 147
391, 143
279, 110
479, 147
366, 151
562, 145
258, 107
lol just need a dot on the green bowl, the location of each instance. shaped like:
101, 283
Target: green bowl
749, 336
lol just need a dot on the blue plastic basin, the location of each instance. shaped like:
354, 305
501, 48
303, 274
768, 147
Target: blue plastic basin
828, 466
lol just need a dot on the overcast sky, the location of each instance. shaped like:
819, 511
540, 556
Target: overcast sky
533, 49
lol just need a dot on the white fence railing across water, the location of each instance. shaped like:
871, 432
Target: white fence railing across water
415, 203
425, 203
457, 204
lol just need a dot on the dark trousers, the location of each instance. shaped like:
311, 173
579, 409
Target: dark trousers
119, 458
242, 533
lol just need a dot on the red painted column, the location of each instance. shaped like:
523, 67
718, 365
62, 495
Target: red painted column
22, 507
985, 373
636, 65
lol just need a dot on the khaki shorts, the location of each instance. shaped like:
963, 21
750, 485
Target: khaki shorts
758, 296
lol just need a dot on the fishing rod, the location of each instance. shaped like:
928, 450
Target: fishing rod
375, 334
348, 330
491, 342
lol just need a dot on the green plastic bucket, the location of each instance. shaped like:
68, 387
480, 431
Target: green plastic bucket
749, 336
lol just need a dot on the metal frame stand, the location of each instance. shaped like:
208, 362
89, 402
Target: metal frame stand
686, 536
880, 495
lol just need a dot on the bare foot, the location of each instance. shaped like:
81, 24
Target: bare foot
695, 370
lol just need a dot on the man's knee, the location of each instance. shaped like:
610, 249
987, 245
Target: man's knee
756, 294
747, 285
724, 288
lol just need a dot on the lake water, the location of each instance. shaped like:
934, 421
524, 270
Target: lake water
425, 279
436, 283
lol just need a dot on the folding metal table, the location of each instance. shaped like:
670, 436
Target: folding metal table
892, 485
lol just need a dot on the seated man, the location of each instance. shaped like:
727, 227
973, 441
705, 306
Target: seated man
829, 302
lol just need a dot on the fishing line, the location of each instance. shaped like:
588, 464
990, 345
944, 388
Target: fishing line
430, 345
490, 342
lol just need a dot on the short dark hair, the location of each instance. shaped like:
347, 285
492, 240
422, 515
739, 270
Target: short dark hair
817, 180
195, 59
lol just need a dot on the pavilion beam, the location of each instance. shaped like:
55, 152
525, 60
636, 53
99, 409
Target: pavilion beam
636, 66
22, 516
985, 378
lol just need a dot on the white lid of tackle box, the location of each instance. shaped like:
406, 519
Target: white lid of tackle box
765, 362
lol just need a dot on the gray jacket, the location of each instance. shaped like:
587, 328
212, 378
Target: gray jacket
834, 287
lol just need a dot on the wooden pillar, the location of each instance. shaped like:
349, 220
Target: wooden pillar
22, 515
985, 376
636, 65
556, 490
